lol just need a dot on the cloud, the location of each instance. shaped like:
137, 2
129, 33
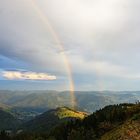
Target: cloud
101, 38
25, 37
18, 75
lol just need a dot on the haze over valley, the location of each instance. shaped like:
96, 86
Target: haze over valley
28, 104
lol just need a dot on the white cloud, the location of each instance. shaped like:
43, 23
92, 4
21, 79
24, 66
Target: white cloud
17, 75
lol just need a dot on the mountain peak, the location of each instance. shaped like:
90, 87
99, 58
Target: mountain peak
54, 117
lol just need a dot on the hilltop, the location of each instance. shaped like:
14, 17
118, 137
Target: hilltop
52, 118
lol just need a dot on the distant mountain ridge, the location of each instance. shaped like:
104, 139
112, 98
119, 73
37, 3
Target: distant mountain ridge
89, 101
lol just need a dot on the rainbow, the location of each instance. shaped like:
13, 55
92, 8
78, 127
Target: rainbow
60, 46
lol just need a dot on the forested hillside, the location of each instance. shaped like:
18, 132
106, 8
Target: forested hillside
52, 118
113, 122
8, 121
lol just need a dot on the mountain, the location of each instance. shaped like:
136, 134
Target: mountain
40, 101
8, 121
52, 118
113, 122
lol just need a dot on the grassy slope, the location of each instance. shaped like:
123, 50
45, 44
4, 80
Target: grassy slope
130, 130
65, 112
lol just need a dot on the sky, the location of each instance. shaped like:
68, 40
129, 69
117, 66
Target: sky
49, 44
